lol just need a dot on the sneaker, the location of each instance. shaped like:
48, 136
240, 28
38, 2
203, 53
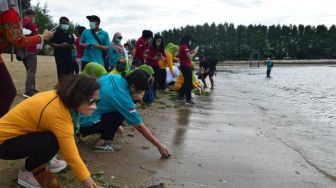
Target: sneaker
56, 165
27, 95
27, 179
107, 147
36, 91
190, 102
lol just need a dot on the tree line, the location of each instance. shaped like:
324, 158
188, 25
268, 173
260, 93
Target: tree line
227, 42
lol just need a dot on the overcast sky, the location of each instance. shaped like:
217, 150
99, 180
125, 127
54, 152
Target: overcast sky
130, 17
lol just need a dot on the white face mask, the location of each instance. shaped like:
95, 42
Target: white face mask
65, 27
93, 25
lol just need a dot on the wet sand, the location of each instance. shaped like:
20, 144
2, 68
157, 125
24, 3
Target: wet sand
222, 141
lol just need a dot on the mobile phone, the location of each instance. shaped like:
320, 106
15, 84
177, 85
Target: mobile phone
54, 28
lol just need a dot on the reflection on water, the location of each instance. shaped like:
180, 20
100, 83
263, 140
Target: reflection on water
182, 115
182, 120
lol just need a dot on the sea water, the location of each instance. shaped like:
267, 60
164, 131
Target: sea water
300, 102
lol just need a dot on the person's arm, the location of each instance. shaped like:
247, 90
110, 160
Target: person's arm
101, 47
62, 45
63, 128
143, 129
192, 54
105, 43
169, 60
13, 32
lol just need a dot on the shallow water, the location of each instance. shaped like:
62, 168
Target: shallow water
300, 102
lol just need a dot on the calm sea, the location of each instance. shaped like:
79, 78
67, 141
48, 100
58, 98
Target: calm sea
300, 101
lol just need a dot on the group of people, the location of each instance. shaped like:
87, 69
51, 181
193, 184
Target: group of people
96, 101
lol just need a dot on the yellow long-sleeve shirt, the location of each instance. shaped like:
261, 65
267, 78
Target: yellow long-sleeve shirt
168, 62
56, 118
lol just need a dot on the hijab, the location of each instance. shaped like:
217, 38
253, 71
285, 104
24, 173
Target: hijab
172, 48
117, 46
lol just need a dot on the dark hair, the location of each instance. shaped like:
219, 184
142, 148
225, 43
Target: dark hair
147, 34
29, 12
185, 40
76, 89
139, 79
63, 18
80, 29
137, 62
161, 47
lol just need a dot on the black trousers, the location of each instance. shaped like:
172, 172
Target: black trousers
64, 67
187, 84
37, 147
163, 77
156, 77
268, 72
107, 127
7, 90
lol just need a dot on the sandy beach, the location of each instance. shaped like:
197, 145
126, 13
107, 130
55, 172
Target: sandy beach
222, 141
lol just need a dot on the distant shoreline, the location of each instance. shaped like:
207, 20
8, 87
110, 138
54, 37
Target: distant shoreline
282, 62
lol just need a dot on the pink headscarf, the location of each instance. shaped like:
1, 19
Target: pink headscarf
117, 46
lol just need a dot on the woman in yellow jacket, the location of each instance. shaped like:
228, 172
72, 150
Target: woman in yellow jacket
180, 80
40, 126
170, 51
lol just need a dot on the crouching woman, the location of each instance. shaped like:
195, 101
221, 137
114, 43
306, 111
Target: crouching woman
38, 127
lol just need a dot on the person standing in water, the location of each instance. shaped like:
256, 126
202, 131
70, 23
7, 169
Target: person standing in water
269, 65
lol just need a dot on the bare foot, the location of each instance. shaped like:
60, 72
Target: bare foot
121, 131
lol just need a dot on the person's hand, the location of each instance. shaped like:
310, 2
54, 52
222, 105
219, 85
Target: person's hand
65, 45
163, 150
96, 46
85, 45
89, 183
46, 35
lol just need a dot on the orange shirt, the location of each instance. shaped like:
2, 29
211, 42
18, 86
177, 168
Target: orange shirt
56, 118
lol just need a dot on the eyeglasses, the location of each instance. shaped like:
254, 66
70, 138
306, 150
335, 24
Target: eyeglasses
93, 101
119, 38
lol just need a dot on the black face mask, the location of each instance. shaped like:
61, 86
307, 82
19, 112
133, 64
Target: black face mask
24, 4
121, 67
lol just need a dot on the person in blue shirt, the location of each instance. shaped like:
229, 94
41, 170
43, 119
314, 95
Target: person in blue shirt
95, 43
118, 98
269, 65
